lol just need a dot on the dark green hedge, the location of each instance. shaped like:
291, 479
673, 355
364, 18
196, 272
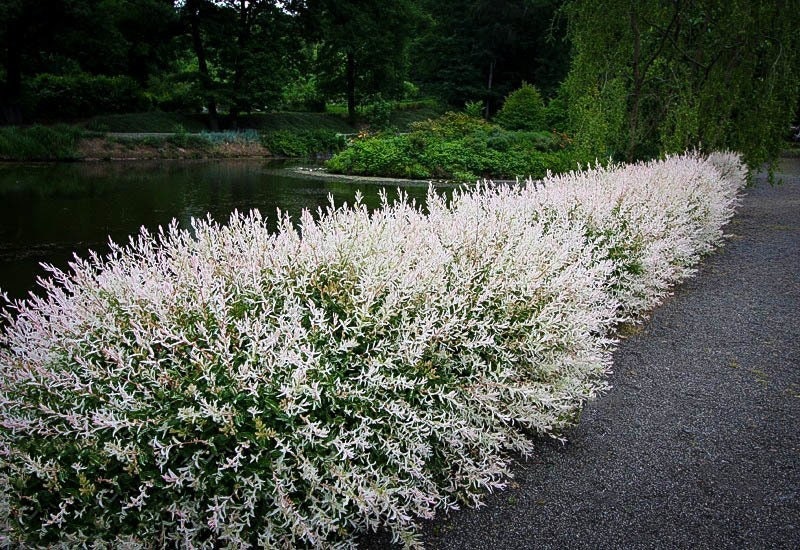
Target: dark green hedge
302, 143
63, 97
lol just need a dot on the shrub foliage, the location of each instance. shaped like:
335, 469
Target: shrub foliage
232, 386
523, 109
456, 146
302, 143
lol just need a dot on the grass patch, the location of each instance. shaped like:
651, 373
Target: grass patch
37, 142
157, 121
184, 140
271, 122
151, 121
402, 119
402, 115
179, 145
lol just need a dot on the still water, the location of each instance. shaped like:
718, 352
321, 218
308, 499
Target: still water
50, 211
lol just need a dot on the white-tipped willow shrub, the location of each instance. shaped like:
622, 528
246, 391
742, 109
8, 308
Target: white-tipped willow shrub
232, 386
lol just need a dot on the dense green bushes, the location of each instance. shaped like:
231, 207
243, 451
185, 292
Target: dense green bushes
39, 142
63, 97
457, 146
302, 143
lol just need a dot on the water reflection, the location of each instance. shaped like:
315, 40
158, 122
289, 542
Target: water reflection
49, 211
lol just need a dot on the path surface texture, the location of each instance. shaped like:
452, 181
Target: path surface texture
697, 445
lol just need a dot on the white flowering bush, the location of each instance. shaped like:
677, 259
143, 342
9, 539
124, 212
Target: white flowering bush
228, 386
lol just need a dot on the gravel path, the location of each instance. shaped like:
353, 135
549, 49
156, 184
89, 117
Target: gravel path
698, 443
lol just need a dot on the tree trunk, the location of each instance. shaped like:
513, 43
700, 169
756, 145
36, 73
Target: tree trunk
202, 64
636, 93
351, 87
12, 92
242, 39
488, 109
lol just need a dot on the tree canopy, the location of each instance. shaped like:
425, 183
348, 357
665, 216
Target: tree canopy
363, 46
629, 79
665, 76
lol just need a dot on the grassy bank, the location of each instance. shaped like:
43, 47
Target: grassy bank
180, 145
246, 143
71, 143
59, 142
130, 135
152, 121
158, 121
398, 115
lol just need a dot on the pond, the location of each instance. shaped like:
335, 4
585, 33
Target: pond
50, 211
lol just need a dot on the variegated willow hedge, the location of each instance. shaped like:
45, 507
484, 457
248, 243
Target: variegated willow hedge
232, 386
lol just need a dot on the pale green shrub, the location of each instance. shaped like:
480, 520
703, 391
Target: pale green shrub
523, 109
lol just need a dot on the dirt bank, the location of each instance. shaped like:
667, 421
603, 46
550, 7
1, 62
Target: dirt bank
150, 147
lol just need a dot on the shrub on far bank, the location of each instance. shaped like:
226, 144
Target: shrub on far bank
39, 142
523, 110
556, 115
457, 146
302, 143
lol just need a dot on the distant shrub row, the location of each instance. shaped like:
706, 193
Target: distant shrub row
60, 142
230, 387
302, 143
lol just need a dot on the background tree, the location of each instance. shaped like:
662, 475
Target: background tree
665, 76
244, 51
11, 14
195, 15
363, 46
148, 28
482, 50
70, 43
